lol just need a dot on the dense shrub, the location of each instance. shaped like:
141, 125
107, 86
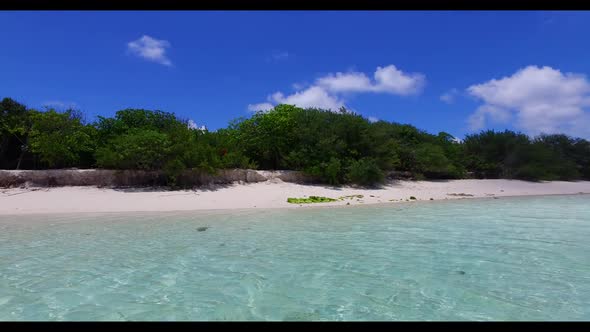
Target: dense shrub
61, 139
364, 172
142, 149
334, 147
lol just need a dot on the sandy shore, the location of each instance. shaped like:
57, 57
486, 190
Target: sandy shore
269, 194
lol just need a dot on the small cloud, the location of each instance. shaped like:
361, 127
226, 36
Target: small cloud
264, 107
59, 105
314, 96
477, 120
278, 56
449, 97
299, 86
373, 119
193, 125
150, 49
388, 79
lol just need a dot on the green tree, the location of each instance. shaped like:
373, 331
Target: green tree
143, 149
14, 128
365, 172
433, 163
61, 139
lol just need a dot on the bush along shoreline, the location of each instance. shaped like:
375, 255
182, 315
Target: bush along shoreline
334, 148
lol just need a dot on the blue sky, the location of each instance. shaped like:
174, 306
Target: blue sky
395, 66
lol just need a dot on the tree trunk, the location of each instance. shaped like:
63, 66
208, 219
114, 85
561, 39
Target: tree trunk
20, 158
3, 148
22, 153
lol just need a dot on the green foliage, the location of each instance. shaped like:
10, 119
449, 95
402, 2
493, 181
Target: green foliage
155, 140
310, 199
335, 147
515, 156
15, 123
61, 139
431, 161
267, 137
330, 171
142, 149
173, 169
13, 117
364, 172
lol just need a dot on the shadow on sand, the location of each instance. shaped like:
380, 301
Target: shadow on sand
209, 187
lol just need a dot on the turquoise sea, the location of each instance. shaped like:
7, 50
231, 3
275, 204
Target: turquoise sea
525, 258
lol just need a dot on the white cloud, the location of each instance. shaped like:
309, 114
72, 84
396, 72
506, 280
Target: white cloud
314, 96
278, 56
387, 79
60, 105
449, 97
150, 49
325, 92
260, 107
392, 80
477, 120
193, 125
373, 119
299, 86
543, 100
346, 82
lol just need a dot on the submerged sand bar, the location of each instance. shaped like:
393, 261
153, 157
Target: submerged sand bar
269, 194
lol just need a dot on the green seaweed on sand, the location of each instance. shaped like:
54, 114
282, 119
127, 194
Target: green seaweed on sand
310, 199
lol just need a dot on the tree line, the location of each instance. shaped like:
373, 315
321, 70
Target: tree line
335, 147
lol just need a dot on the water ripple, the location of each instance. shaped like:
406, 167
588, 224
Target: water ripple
509, 259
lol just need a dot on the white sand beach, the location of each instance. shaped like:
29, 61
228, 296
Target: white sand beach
269, 194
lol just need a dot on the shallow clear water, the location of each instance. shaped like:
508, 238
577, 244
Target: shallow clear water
489, 259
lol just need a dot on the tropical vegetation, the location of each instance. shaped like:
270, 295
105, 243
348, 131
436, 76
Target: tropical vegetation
334, 147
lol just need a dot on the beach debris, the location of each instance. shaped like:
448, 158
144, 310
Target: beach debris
351, 197
413, 198
432, 199
202, 229
460, 194
371, 196
310, 199
348, 203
